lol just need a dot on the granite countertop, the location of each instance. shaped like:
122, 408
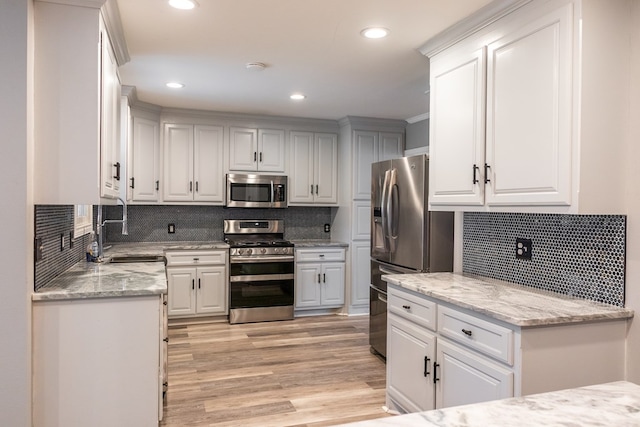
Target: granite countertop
100, 280
515, 304
611, 404
313, 243
104, 280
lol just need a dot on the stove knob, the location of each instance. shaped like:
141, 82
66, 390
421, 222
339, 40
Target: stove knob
240, 251
263, 250
249, 251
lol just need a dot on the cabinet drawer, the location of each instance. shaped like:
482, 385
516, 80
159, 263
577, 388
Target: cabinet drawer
319, 255
196, 258
412, 307
486, 337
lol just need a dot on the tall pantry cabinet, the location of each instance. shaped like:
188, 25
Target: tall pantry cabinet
77, 105
363, 141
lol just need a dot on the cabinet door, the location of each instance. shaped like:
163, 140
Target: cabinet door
243, 149
390, 146
302, 164
360, 273
366, 152
326, 168
211, 286
410, 357
271, 150
178, 163
308, 278
361, 227
457, 124
145, 156
332, 287
529, 113
466, 377
208, 163
110, 119
181, 291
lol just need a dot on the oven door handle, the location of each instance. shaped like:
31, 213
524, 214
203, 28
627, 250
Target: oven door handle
260, 278
244, 259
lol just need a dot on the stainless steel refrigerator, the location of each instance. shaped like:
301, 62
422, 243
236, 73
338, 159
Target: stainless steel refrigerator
405, 236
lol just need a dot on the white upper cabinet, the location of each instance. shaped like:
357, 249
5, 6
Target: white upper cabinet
457, 124
511, 128
110, 165
76, 105
256, 150
144, 159
193, 163
371, 147
314, 168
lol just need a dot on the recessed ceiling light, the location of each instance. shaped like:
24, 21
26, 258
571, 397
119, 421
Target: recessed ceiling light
175, 85
255, 66
183, 4
374, 32
297, 97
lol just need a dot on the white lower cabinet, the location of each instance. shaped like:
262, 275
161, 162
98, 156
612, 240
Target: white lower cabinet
197, 283
320, 276
427, 371
97, 362
440, 355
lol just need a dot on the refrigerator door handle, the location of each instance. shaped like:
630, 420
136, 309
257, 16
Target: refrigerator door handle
391, 218
384, 210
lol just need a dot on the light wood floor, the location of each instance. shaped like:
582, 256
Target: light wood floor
313, 371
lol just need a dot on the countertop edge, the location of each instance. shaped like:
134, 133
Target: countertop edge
61, 296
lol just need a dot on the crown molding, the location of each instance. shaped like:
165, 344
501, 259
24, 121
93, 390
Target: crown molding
372, 123
419, 118
111, 16
469, 25
95, 4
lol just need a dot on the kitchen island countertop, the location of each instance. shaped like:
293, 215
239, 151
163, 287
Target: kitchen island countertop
610, 404
515, 304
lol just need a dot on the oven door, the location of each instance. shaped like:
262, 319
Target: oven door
267, 282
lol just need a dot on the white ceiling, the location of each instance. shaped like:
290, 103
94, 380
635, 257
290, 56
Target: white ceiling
309, 46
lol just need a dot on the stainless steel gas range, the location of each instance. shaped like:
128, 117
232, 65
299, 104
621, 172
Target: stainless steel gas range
261, 273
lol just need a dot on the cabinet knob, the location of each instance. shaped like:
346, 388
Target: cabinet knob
467, 332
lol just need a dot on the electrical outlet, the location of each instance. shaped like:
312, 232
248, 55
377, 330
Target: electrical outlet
523, 249
171, 228
327, 228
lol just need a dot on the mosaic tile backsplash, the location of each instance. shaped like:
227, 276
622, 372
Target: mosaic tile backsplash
148, 223
577, 255
51, 221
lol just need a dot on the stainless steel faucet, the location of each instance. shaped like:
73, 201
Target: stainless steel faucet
101, 223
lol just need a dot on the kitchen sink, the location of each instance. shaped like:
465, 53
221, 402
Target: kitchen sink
135, 258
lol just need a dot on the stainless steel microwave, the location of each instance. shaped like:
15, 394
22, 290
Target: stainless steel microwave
256, 191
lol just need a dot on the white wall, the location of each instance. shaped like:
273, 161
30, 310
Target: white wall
633, 219
16, 214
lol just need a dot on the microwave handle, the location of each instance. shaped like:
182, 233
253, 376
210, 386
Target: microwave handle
273, 195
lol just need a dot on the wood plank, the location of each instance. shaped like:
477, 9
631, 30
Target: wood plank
311, 371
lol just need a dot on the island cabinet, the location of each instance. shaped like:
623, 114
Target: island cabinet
510, 125
77, 102
441, 355
193, 163
99, 361
257, 150
197, 283
314, 168
319, 279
